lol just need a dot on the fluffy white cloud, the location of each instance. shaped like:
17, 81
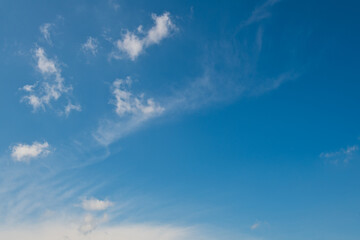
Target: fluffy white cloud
94, 204
128, 104
163, 27
44, 64
50, 88
91, 45
133, 45
24, 152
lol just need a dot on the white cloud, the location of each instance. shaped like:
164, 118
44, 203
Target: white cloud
70, 107
52, 86
128, 104
344, 155
94, 204
133, 45
215, 85
229, 72
261, 12
24, 152
91, 45
62, 231
44, 64
133, 110
90, 223
163, 27
45, 31
28, 88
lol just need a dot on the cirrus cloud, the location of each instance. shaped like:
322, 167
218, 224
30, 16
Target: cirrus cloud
344, 155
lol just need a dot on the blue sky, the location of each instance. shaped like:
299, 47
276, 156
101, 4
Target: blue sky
175, 120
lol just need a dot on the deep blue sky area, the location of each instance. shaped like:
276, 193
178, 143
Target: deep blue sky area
174, 120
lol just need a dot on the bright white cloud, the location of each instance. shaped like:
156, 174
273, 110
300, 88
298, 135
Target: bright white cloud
163, 27
344, 155
44, 64
45, 31
94, 204
133, 45
23, 152
128, 104
91, 45
52, 86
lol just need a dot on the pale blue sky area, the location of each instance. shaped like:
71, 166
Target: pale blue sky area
174, 120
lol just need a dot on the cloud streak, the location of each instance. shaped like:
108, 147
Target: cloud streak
45, 31
259, 13
344, 155
230, 71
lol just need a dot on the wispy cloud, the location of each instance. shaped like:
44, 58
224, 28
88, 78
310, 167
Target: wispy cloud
90, 46
133, 44
45, 31
259, 225
71, 107
344, 155
50, 88
114, 4
255, 225
52, 212
129, 104
237, 78
24, 152
132, 111
62, 230
259, 13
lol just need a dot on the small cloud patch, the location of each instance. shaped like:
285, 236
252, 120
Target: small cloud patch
24, 152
